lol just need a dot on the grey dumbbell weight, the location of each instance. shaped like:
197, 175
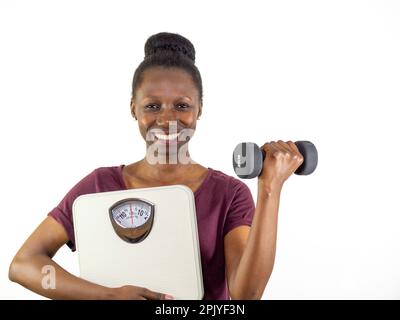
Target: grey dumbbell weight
248, 159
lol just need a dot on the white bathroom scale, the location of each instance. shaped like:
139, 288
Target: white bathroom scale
144, 237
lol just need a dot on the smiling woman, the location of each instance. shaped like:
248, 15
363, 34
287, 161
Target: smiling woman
167, 105
237, 239
167, 94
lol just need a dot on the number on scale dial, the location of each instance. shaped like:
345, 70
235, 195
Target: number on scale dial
131, 214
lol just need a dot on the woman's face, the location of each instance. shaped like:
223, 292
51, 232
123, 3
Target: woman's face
166, 102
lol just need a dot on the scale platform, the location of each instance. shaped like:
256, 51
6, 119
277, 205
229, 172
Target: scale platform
167, 260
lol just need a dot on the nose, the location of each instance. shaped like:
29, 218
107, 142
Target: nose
165, 115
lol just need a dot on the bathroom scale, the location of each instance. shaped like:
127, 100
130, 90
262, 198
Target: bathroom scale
144, 237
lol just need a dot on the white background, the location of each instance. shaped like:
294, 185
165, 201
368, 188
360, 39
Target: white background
324, 71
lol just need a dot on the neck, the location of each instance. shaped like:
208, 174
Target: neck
165, 171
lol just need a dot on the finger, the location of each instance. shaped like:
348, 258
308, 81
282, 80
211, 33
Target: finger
151, 295
279, 148
295, 149
266, 146
285, 146
294, 155
293, 146
269, 148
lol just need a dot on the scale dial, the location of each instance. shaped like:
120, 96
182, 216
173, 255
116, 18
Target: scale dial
132, 219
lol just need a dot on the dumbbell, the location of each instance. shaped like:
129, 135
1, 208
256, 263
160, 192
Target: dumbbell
248, 159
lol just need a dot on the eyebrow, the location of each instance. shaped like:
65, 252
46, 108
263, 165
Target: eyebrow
157, 97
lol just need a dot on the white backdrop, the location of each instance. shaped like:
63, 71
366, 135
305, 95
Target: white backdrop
324, 71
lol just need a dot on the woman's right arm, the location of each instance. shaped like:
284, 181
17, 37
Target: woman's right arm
37, 252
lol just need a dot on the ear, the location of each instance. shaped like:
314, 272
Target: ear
133, 109
200, 111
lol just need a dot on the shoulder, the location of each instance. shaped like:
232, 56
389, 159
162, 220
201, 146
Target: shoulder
228, 183
107, 171
111, 175
101, 179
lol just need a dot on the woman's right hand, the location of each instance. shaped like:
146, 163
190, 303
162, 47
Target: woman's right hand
129, 292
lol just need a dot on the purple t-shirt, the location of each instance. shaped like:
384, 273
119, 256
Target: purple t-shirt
222, 203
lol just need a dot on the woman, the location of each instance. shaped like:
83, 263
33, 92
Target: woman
237, 239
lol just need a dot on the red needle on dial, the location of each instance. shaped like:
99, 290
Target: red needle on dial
131, 214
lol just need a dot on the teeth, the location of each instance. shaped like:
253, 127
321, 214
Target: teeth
167, 137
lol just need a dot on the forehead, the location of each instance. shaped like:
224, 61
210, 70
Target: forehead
161, 82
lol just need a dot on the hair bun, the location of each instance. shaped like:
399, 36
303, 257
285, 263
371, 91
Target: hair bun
165, 42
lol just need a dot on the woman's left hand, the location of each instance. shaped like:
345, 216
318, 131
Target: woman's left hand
281, 161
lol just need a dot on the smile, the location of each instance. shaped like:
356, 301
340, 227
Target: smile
167, 137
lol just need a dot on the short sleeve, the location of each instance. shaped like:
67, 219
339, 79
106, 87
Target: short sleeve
62, 213
241, 210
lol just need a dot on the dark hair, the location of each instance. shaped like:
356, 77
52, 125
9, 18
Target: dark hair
168, 50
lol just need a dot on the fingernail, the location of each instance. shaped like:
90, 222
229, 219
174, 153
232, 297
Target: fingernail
169, 297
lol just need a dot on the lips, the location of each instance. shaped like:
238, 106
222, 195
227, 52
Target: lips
167, 137
182, 135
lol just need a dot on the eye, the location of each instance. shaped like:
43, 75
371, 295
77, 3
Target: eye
182, 106
152, 107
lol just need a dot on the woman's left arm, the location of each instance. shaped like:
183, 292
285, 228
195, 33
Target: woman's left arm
250, 251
